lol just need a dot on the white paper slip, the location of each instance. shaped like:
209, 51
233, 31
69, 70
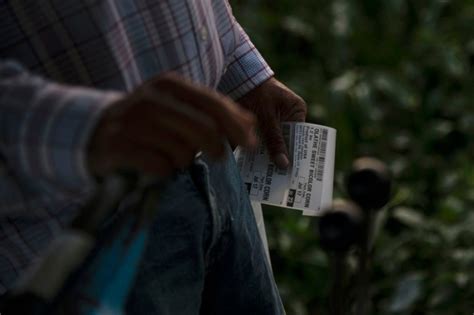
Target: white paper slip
307, 184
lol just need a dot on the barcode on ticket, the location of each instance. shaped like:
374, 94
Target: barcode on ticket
322, 156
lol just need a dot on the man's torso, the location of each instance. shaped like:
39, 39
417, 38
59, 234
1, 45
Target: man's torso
104, 44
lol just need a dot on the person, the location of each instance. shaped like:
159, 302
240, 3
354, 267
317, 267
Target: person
91, 87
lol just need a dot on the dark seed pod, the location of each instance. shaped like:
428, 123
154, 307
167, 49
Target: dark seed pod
369, 183
340, 226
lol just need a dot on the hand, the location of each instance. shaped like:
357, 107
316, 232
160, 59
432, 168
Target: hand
163, 124
274, 103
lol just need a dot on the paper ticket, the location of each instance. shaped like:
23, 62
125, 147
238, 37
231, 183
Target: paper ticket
307, 184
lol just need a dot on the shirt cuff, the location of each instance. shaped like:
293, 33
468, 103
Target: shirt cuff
73, 130
245, 71
63, 144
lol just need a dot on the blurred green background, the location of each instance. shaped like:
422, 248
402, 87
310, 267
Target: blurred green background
395, 79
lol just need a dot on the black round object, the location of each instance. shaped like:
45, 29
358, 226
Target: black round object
340, 227
369, 183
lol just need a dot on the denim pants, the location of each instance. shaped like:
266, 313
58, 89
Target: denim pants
205, 255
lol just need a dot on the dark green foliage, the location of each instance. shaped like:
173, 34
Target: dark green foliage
395, 78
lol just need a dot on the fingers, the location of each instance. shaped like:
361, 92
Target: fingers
170, 145
297, 111
162, 122
177, 137
275, 103
235, 123
183, 120
172, 142
272, 133
160, 126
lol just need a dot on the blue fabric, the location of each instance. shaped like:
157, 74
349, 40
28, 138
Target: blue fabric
103, 285
205, 255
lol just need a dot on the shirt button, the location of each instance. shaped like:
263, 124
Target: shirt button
203, 33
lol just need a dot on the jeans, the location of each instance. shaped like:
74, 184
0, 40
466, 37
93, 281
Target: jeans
205, 255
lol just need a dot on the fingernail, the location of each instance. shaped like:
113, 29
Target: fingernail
252, 143
281, 160
252, 139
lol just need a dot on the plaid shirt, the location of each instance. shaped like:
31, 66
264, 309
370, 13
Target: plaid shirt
61, 63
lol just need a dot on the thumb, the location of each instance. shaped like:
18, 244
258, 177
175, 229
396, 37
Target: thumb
273, 137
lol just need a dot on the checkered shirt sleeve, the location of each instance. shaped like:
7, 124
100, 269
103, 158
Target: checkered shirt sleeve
44, 126
246, 69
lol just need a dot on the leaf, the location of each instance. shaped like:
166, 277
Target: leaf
408, 216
